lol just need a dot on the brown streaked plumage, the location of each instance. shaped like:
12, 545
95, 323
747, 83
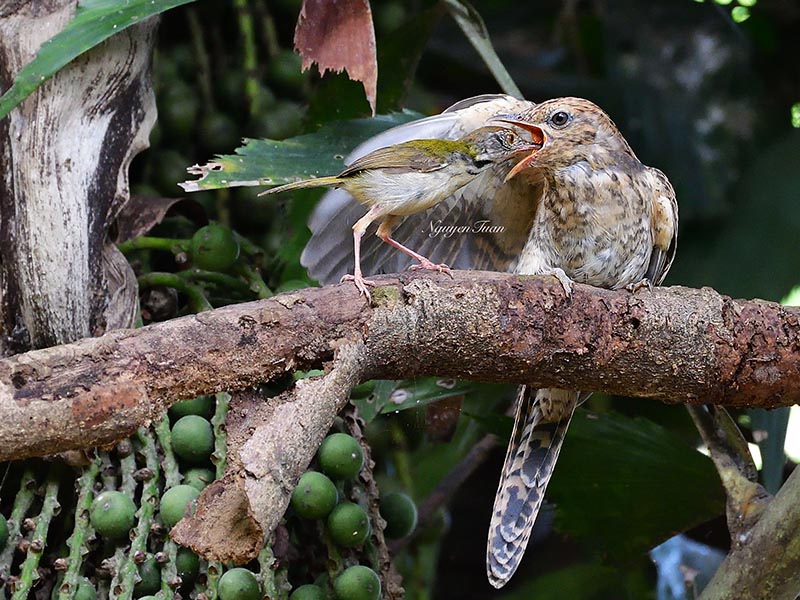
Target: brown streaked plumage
603, 219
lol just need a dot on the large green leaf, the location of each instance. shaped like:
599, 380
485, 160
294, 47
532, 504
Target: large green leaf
582, 581
261, 162
624, 485
94, 22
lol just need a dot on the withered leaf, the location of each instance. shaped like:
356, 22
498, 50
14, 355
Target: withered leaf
338, 35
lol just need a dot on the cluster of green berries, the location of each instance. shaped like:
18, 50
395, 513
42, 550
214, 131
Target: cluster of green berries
340, 459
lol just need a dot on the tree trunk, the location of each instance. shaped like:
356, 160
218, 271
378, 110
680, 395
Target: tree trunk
64, 157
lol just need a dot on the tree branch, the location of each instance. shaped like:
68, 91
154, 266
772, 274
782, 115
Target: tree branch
672, 344
762, 563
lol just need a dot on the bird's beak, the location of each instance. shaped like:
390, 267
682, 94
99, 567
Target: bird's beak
539, 139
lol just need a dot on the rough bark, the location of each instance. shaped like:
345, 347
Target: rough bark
763, 562
270, 444
672, 344
64, 157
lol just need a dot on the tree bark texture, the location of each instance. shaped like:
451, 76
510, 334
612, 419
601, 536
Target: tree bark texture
671, 344
64, 157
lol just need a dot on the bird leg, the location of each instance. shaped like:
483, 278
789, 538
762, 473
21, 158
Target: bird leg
358, 232
562, 277
384, 232
635, 287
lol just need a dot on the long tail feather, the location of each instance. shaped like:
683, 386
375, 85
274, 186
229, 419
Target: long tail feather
306, 183
540, 424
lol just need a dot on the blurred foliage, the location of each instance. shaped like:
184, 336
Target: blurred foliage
698, 91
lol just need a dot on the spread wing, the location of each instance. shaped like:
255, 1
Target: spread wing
664, 225
500, 215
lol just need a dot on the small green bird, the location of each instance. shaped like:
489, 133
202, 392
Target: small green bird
413, 176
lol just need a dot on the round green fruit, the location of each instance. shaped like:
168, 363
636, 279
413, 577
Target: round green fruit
174, 503
200, 405
315, 496
150, 583
192, 439
238, 584
400, 513
214, 248
348, 525
112, 514
340, 456
308, 592
85, 590
198, 477
187, 564
357, 583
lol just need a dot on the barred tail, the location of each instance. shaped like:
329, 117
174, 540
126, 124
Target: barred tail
539, 427
306, 183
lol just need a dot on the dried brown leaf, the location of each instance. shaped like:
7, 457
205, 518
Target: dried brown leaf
338, 35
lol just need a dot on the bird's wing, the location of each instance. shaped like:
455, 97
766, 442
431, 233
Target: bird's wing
395, 157
329, 253
532, 452
664, 226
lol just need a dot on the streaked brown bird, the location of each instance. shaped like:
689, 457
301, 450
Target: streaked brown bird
603, 219
582, 208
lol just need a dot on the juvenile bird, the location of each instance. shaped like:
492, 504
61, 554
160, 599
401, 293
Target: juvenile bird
410, 177
603, 219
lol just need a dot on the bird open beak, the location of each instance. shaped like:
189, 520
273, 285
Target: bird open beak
539, 139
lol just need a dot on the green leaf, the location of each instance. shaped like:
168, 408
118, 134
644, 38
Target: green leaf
261, 162
624, 485
587, 581
94, 22
474, 28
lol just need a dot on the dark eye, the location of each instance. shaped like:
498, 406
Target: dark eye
559, 119
510, 138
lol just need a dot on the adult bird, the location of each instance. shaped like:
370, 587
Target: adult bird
412, 176
582, 208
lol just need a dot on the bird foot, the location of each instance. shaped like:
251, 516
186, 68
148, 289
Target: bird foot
430, 266
361, 284
563, 279
635, 287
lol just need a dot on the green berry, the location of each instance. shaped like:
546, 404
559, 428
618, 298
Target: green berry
238, 584
3, 532
150, 583
308, 592
187, 564
174, 503
214, 248
357, 583
192, 438
340, 456
198, 477
400, 513
315, 496
201, 405
85, 590
348, 525
112, 514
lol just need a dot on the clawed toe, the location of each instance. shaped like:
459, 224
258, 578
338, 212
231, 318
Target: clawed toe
430, 266
361, 284
635, 287
563, 279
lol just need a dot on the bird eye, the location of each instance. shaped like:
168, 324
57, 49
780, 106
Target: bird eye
559, 119
510, 138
